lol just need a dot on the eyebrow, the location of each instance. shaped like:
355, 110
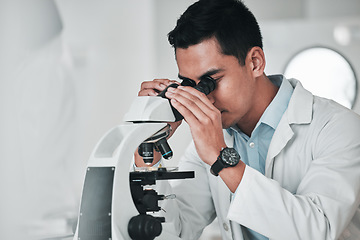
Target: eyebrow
206, 74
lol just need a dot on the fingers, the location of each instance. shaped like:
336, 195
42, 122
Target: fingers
152, 88
193, 105
203, 118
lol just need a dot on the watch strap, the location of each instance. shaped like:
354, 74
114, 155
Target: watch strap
217, 167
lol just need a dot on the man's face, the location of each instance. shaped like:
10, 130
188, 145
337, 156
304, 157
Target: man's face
235, 86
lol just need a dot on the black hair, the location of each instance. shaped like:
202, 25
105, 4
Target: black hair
229, 21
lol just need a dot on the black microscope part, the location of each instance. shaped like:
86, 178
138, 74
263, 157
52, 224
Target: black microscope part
146, 151
144, 227
188, 82
163, 146
206, 85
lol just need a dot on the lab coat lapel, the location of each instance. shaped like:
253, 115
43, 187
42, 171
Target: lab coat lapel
224, 197
280, 138
299, 111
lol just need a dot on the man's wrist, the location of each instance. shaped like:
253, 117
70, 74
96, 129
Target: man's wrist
228, 157
233, 176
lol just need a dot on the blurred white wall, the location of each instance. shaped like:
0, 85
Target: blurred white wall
291, 26
111, 47
38, 122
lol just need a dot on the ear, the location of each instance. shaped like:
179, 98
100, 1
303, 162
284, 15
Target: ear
256, 61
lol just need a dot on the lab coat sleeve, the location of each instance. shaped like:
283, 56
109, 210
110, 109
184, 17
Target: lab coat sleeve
193, 208
326, 198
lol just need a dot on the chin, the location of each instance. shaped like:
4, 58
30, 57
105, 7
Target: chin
225, 125
225, 122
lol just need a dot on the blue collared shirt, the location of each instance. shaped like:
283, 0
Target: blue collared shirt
253, 149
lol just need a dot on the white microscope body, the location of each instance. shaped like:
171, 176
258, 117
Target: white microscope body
107, 204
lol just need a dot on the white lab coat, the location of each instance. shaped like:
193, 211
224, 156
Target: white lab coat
311, 187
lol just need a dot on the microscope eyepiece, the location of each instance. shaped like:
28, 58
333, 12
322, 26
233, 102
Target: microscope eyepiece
188, 82
206, 85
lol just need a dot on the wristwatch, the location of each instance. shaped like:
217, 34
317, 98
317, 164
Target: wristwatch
228, 157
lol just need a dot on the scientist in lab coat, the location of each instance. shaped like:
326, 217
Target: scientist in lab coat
272, 161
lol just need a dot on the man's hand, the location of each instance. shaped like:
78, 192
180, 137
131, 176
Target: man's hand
203, 118
153, 88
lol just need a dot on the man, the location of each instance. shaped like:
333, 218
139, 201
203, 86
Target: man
299, 173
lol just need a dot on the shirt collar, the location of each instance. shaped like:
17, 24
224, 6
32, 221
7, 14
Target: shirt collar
279, 104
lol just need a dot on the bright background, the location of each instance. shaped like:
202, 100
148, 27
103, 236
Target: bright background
69, 70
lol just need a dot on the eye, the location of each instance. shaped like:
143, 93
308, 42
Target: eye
217, 78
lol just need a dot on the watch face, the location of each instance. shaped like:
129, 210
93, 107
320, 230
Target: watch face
230, 156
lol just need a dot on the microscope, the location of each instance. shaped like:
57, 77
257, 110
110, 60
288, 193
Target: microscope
116, 203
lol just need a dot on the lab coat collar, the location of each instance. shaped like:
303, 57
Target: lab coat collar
299, 112
300, 106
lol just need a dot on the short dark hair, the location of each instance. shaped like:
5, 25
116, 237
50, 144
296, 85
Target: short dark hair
229, 21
